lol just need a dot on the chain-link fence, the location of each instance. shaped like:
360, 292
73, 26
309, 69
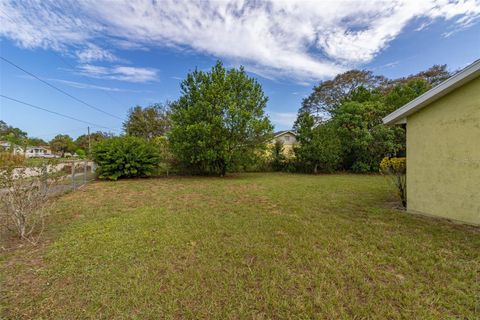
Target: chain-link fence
74, 175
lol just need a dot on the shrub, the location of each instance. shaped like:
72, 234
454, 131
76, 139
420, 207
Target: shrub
396, 168
23, 198
81, 153
8, 159
126, 157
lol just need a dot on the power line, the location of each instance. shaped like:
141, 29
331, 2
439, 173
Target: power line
53, 112
63, 60
58, 89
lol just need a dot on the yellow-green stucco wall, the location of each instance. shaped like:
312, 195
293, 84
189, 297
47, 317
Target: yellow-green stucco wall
443, 156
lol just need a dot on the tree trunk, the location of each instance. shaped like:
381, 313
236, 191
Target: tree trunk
223, 168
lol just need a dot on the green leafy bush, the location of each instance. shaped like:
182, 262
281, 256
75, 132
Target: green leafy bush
126, 157
81, 153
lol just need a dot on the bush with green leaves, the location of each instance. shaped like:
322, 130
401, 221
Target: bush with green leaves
81, 153
126, 157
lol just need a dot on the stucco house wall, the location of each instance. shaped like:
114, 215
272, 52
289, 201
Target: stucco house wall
443, 156
288, 139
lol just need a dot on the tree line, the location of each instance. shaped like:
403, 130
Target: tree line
219, 125
60, 144
339, 125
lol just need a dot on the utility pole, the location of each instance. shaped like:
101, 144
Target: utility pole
89, 146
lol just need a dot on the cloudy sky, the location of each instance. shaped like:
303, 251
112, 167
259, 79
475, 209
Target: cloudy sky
112, 55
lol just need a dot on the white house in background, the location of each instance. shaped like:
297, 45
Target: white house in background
31, 151
38, 152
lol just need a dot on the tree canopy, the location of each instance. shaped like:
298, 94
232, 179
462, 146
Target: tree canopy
329, 94
219, 121
62, 143
319, 147
82, 141
149, 122
12, 134
354, 104
36, 142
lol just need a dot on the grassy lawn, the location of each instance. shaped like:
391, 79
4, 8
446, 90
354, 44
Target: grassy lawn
249, 246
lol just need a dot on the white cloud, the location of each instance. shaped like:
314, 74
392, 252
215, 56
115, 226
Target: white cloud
283, 119
94, 53
297, 39
122, 73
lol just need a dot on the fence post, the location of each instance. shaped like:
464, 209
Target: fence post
73, 174
85, 162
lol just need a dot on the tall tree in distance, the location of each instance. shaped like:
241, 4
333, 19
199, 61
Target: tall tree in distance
84, 140
433, 75
404, 92
148, 122
11, 134
219, 121
329, 94
36, 142
62, 143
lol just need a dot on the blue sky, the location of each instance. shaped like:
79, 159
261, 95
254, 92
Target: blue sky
115, 55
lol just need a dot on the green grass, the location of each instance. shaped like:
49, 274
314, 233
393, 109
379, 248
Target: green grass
249, 246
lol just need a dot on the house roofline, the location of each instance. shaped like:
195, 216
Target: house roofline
284, 132
465, 75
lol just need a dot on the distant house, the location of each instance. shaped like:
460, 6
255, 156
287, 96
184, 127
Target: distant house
30, 152
443, 148
37, 152
4, 145
7, 146
288, 138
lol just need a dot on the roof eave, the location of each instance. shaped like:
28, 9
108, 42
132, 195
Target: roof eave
284, 132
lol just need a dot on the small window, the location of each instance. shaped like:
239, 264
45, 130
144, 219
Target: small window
287, 138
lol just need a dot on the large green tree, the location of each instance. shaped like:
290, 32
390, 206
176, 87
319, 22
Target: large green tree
404, 92
433, 76
319, 147
355, 103
219, 121
149, 122
62, 143
329, 94
365, 140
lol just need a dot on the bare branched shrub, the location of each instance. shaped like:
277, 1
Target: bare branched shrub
396, 169
23, 198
